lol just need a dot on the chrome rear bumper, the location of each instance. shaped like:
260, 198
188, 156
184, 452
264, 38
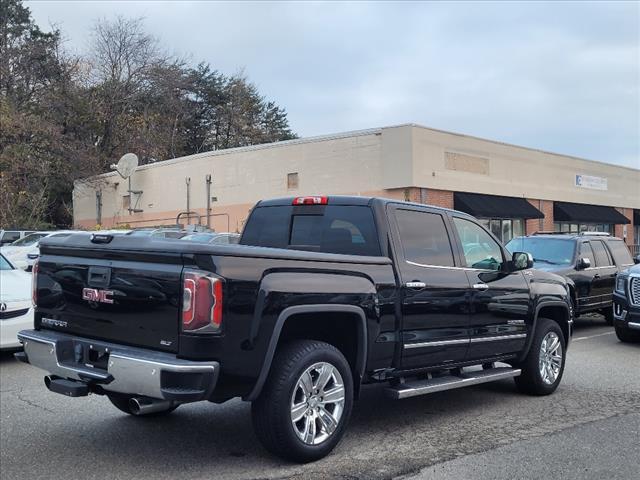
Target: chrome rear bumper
129, 370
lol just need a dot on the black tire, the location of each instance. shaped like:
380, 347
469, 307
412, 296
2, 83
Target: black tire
608, 315
271, 411
627, 336
122, 403
531, 381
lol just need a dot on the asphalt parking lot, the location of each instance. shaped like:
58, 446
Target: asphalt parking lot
590, 428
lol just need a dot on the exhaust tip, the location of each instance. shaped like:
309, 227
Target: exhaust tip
146, 406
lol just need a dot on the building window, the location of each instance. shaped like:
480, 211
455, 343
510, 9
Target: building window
504, 228
126, 202
292, 181
568, 227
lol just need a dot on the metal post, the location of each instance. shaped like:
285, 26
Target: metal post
99, 207
188, 182
208, 180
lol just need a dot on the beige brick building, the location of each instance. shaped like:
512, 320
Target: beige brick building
512, 189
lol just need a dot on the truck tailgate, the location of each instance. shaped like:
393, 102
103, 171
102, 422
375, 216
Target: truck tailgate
124, 297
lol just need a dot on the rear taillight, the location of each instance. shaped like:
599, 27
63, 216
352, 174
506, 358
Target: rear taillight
34, 283
201, 302
310, 201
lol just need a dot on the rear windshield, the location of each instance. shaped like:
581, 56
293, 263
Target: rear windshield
332, 229
620, 252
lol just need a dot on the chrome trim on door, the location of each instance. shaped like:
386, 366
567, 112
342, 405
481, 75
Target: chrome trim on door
437, 343
498, 338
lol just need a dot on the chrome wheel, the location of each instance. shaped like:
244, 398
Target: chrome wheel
317, 403
550, 361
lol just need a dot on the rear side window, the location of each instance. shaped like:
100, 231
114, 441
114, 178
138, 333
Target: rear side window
424, 238
332, 229
8, 237
603, 258
620, 252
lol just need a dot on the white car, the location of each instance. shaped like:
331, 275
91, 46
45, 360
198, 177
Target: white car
16, 309
24, 252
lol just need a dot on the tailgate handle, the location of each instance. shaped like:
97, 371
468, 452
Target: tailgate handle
99, 276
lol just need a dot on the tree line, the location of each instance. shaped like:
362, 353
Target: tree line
67, 116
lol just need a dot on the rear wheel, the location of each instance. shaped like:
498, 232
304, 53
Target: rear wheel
543, 367
306, 402
123, 403
626, 335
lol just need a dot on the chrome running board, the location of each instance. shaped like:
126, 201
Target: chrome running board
448, 382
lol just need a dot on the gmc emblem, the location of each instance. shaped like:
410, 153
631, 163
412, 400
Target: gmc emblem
95, 295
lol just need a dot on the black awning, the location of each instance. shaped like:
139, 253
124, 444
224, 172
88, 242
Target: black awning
636, 217
582, 212
494, 206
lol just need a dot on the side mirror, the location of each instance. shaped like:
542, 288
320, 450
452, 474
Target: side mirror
521, 260
636, 259
584, 263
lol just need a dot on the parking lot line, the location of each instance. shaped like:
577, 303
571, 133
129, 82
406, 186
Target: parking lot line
592, 336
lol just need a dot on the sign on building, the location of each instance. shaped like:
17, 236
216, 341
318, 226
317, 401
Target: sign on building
593, 183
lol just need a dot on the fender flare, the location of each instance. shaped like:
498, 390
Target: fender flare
540, 306
361, 325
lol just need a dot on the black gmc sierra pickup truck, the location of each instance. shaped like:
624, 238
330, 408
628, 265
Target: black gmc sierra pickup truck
323, 295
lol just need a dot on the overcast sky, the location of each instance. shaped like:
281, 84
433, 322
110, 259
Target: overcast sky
563, 77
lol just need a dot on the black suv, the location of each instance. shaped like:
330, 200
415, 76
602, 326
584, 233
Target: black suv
589, 261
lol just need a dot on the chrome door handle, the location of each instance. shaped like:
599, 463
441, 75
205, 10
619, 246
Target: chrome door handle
415, 284
480, 286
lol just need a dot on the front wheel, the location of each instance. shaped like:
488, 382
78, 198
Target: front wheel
306, 402
543, 367
608, 315
627, 336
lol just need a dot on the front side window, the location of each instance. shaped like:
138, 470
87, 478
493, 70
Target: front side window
479, 248
424, 238
587, 252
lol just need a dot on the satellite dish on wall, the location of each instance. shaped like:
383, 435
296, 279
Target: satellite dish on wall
126, 165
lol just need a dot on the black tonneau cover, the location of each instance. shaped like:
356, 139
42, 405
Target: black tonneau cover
82, 241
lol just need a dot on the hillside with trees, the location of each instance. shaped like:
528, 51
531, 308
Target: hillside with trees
65, 117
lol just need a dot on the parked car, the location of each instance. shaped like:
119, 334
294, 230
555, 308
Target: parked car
9, 236
213, 238
323, 295
16, 312
24, 252
626, 305
589, 261
158, 233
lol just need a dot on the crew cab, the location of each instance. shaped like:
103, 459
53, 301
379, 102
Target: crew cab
589, 261
322, 295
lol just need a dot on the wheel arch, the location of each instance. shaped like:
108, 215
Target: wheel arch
288, 326
559, 312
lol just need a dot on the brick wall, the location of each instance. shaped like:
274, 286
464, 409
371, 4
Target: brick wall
440, 198
540, 224
627, 212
